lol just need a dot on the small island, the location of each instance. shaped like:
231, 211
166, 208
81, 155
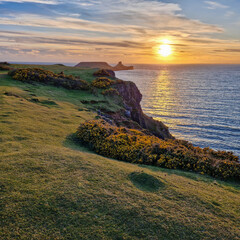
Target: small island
104, 65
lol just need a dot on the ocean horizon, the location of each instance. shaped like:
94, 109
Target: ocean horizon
136, 65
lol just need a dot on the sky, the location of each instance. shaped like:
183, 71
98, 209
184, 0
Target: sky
132, 31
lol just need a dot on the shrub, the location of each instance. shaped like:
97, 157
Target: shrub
110, 92
84, 85
48, 77
101, 73
5, 67
102, 82
134, 146
4, 63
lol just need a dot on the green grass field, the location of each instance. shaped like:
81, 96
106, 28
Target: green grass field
52, 188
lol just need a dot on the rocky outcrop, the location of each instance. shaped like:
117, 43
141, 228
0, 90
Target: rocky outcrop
104, 65
120, 67
104, 73
133, 111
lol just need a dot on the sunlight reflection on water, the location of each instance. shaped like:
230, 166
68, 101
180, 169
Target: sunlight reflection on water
199, 103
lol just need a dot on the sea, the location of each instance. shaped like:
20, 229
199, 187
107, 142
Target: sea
199, 103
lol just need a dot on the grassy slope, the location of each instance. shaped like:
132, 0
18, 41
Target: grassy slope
85, 74
51, 188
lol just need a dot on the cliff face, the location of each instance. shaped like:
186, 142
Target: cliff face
132, 98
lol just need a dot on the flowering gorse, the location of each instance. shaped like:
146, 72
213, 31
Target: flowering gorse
50, 78
134, 146
102, 82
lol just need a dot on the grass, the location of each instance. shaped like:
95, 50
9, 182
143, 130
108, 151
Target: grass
50, 188
86, 74
145, 182
61, 94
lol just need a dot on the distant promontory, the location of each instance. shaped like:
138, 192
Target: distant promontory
104, 65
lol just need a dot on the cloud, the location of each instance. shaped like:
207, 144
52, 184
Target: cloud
149, 27
51, 2
229, 14
231, 50
203, 41
13, 33
54, 2
136, 18
23, 38
215, 5
106, 27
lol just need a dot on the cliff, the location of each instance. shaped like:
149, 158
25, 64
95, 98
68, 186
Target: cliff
104, 65
132, 98
133, 116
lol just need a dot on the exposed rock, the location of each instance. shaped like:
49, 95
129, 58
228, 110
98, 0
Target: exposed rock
104, 73
111, 73
132, 98
120, 67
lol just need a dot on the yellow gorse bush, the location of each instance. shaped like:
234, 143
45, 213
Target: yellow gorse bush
102, 73
110, 92
134, 146
102, 82
48, 77
31, 73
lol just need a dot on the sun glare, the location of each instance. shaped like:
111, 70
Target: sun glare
165, 50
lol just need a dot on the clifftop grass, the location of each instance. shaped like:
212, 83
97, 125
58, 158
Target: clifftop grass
51, 188
96, 101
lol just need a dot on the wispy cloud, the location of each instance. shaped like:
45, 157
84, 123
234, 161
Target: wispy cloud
105, 28
149, 26
231, 50
215, 5
229, 14
51, 2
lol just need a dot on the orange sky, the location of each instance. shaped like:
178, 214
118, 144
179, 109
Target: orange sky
111, 30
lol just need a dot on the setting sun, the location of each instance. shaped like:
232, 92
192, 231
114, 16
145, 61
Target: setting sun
165, 50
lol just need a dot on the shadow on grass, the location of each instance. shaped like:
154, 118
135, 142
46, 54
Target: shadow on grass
230, 185
145, 182
46, 103
73, 143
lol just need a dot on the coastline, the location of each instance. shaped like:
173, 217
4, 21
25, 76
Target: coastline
162, 149
205, 114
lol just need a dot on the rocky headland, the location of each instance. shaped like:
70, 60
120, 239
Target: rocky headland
133, 112
104, 65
